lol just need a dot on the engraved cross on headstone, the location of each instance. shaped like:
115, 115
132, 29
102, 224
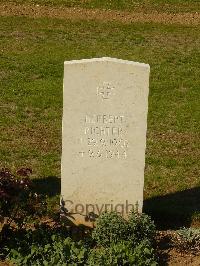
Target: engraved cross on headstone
105, 91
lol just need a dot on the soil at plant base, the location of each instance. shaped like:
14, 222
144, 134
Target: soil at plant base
37, 11
177, 259
2, 263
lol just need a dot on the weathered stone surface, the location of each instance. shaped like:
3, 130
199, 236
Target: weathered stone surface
104, 135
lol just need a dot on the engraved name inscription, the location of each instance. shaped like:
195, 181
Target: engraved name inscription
103, 136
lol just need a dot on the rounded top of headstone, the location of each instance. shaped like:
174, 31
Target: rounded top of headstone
107, 59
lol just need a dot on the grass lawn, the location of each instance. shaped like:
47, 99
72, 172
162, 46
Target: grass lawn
31, 71
145, 5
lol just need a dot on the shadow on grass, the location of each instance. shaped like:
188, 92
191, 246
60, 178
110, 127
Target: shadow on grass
175, 210
50, 186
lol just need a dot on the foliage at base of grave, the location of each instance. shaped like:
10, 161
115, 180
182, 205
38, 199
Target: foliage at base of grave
57, 245
57, 250
26, 240
123, 253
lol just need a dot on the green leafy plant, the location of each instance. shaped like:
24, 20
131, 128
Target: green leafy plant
140, 228
187, 239
110, 228
44, 245
57, 251
122, 253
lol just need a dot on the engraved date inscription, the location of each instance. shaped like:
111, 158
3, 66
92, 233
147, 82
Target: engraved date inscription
104, 154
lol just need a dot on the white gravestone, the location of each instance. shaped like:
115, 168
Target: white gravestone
104, 135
